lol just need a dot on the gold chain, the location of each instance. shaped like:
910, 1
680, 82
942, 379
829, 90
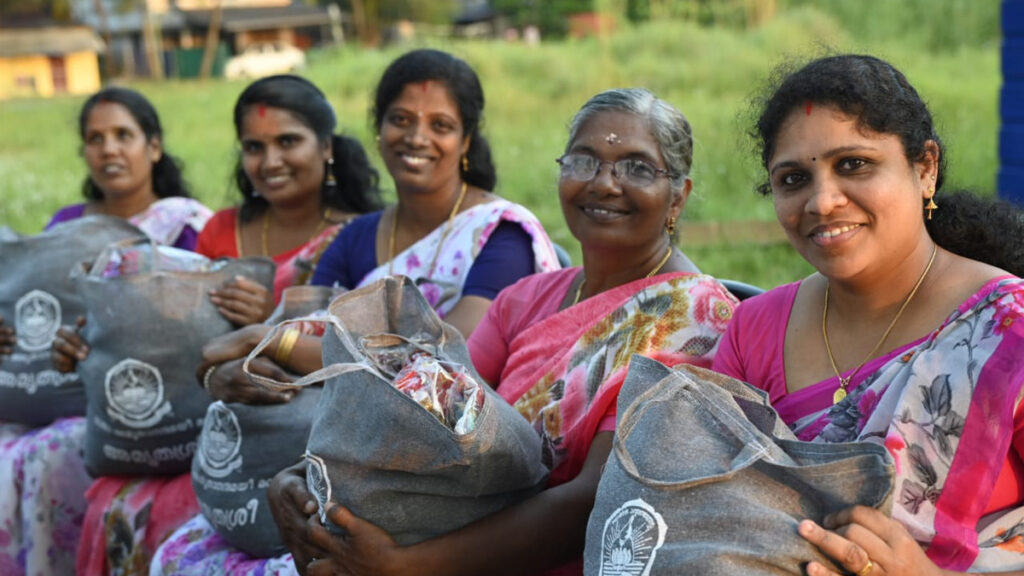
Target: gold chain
840, 392
657, 268
444, 235
266, 229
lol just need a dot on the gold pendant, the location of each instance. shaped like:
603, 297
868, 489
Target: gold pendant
838, 396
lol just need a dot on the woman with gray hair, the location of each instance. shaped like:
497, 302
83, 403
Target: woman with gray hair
556, 346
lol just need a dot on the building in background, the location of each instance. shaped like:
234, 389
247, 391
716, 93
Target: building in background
48, 60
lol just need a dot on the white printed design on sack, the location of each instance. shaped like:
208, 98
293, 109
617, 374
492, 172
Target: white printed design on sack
135, 394
220, 441
36, 320
631, 539
319, 483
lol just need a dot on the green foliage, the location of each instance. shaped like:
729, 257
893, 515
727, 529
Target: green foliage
548, 15
532, 92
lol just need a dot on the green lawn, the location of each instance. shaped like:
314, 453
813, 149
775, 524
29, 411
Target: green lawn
532, 92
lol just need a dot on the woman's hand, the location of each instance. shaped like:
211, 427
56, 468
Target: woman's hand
227, 382
365, 550
231, 346
867, 543
8, 340
68, 347
243, 301
293, 507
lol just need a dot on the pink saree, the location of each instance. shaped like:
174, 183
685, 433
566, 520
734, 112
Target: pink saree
946, 407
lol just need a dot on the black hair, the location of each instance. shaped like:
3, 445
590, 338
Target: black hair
867, 88
990, 231
464, 86
167, 178
356, 179
882, 100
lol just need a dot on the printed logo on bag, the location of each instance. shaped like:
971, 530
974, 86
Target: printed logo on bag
631, 539
36, 320
319, 483
220, 441
135, 394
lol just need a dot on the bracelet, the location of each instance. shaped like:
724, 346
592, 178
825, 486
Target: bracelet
208, 375
285, 346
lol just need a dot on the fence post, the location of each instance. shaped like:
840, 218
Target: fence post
1011, 105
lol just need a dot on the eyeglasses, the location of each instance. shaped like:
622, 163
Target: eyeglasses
630, 171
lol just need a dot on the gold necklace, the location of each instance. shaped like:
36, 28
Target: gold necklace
840, 392
266, 228
444, 235
657, 268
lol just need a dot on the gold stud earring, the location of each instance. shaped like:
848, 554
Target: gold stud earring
931, 206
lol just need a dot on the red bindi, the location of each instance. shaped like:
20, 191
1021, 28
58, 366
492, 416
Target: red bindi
808, 107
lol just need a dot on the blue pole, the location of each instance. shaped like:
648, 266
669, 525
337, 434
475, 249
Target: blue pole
1010, 182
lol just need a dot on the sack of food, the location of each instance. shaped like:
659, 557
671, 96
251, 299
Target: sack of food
149, 315
37, 297
242, 447
407, 435
704, 478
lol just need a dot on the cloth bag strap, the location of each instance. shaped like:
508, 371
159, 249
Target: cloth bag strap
753, 442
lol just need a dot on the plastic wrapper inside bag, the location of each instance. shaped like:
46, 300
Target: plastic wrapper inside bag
143, 258
406, 434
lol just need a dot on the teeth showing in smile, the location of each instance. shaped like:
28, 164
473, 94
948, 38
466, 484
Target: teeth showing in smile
601, 211
112, 169
414, 160
833, 232
275, 180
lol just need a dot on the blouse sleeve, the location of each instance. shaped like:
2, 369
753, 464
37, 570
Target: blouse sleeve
506, 258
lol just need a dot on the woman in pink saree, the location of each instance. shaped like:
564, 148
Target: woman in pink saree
908, 335
557, 345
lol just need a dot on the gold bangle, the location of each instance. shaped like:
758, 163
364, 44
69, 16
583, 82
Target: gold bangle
285, 346
208, 376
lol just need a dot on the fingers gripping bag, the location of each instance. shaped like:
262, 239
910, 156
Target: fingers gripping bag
407, 435
37, 296
705, 479
242, 446
149, 315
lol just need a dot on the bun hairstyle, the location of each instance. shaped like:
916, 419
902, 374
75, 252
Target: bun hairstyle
167, 178
356, 180
464, 86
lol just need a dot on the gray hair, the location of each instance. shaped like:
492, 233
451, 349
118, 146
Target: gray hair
669, 127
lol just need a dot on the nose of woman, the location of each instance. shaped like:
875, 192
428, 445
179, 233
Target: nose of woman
826, 195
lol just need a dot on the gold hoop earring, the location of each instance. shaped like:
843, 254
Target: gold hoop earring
931, 206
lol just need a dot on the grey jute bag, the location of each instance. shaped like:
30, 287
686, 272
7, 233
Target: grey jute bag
241, 448
385, 457
146, 333
36, 298
705, 479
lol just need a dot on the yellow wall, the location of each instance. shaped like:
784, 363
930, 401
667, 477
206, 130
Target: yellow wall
35, 68
81, 70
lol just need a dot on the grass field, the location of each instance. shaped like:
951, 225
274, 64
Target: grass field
532, 92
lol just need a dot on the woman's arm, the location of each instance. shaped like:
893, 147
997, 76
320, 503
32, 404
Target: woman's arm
868, 543
467, 313
543, 532
8, 339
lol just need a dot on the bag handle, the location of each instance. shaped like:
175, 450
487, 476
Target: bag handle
753, 449
321, 375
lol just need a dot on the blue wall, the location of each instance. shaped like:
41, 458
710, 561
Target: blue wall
1011, 105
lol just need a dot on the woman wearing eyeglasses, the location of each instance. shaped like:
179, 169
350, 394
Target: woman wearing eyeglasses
556, 345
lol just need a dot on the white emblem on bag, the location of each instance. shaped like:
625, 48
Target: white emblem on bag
319, 483
36, 320
220, 441
135, 394
631, 539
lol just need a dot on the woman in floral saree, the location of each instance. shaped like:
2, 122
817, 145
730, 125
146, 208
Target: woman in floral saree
557, 345
908, 335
